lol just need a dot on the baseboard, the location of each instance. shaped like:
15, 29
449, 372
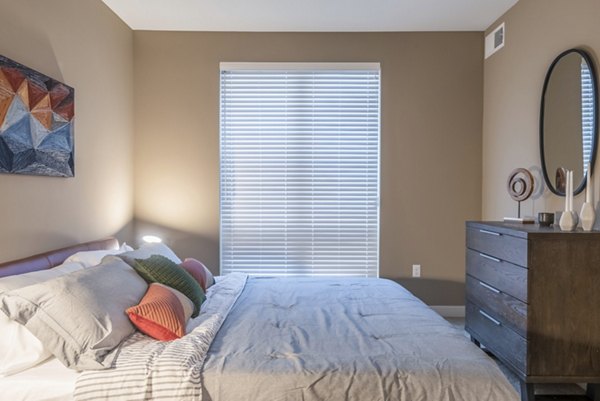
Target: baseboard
449, 310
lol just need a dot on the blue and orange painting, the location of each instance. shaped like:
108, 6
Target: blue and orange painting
36, 122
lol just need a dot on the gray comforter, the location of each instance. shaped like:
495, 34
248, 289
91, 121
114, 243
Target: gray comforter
343, 339
268, 339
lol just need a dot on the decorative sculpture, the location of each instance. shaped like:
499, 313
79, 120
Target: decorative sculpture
520, 186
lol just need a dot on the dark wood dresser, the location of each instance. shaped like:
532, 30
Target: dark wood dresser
533, 300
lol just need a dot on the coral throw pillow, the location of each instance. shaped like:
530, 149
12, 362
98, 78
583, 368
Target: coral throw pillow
200, 272
162, 313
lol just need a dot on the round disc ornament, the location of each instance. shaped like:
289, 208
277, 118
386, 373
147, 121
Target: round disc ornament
520, 184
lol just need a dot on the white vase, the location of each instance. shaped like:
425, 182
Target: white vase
567, 221
587, 216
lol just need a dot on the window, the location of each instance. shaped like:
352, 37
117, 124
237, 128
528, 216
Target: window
300, 169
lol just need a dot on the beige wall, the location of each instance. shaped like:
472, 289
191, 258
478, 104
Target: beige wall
430, 139
536, 32
83, 44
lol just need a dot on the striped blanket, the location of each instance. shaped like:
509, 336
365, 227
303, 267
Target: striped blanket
146, 369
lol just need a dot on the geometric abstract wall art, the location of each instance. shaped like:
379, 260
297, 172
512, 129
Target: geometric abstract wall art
36, 122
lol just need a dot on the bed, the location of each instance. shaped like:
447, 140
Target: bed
277, 339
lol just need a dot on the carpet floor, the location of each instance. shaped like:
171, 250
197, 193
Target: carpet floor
558, 392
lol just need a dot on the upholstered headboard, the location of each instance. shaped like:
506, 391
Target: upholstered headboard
54, 258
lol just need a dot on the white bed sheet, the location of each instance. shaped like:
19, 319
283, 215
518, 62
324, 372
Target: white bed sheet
48, 381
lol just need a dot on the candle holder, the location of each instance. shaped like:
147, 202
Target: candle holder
568, 220
588, 214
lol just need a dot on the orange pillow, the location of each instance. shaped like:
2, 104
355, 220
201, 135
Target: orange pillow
162, 313
200, 272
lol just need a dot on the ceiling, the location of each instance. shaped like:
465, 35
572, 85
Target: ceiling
310, 15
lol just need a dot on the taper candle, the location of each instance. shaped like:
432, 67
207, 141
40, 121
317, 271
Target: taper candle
588, 185
566, 190
569, 191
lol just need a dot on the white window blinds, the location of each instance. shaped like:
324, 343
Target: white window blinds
300, 169
587, 113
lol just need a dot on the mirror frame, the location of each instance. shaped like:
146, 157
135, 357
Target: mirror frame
588, 59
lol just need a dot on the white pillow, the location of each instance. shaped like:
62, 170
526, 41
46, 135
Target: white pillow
80, 317
154, 248
19, 349
93, 258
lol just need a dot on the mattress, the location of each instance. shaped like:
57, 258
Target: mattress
48, 381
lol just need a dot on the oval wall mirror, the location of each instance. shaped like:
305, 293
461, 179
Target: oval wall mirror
569, 120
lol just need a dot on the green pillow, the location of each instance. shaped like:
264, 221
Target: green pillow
159, 269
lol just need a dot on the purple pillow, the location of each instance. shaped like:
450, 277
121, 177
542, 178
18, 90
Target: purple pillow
200, 272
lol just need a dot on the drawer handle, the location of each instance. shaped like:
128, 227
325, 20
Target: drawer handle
489, 287
488, 317
483, 255
490, 233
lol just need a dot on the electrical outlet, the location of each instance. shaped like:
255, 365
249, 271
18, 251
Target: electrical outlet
416, 271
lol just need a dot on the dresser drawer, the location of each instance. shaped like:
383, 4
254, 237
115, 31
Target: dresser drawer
508, 310
498, 245
507, 345
506, 277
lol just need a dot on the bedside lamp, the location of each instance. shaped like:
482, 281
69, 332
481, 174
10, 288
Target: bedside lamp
151, 239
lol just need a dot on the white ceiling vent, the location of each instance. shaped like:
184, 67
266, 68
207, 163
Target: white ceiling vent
495, 40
